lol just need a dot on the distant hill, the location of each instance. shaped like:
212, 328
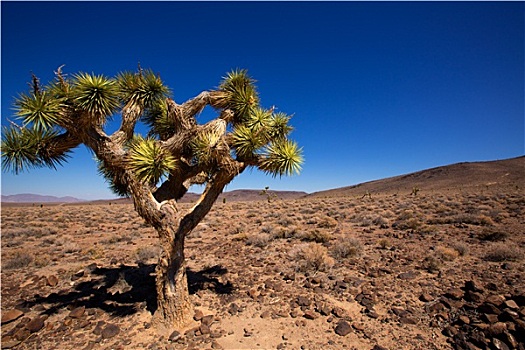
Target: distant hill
36, 198
477, 176
231, 196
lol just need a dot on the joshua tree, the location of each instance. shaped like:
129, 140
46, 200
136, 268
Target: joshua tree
158, 168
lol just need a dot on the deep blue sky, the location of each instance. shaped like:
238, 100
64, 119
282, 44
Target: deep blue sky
376, 89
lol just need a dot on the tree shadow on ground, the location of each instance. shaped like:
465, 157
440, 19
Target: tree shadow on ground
125, 290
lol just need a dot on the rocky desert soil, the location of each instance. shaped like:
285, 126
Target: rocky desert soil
426, 270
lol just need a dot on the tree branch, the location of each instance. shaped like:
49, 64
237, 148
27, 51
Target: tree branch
131, 113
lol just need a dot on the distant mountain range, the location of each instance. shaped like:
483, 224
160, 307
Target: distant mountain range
36, 198
508, 173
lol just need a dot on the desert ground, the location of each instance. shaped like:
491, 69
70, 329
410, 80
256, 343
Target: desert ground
411, 268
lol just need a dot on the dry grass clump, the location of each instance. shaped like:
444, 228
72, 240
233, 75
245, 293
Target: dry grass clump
18, 261
446, 253
503, 252
311, 257
326, 222
144, 254
492, 236
260, 240
432, 264
315, 235
461, 248
347, 248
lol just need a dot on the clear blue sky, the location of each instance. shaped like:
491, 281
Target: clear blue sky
376, 89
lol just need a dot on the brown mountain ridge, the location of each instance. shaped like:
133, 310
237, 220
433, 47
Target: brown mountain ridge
465, 176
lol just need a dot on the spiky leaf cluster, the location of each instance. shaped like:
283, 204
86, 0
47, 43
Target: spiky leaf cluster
206, 144
38, 109
24, 148
95, 94
144, 88
240, 94
282, 157
156, 117
148, 161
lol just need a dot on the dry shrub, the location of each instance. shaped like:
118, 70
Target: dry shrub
461, 248
503, 252
384, 243
144, 254
315, 235
258, 240
492, 236
447, 254
431, 264
311, 257
18, 261
347, 248
326, 222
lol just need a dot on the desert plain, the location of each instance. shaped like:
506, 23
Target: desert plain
430, 260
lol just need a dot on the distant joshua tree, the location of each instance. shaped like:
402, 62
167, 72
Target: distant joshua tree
269, 195
155, 169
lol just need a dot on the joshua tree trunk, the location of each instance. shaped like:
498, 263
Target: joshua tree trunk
174, 307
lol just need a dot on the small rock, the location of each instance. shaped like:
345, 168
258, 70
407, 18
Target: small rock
215, 345
174, 336
303, 301
208, 320
35, 324
379, 347
497, 328
266, 314
473, 296
110, 331
371, 313
52, 280
204, 329
511, 304
342, 328
490, 318
454, 293
499, 345
408, 275
425, 298
339, 312
11, 315
495, 299
310, 315
198, 315
77, 312
407, 320
473, 286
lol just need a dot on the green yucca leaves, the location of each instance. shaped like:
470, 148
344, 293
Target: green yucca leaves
156, 117
143, 88
283, 157
279, 126
24, 148
259, 120
40, 110
246, 141
148, 161
206, 142
240, 94
95, 94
